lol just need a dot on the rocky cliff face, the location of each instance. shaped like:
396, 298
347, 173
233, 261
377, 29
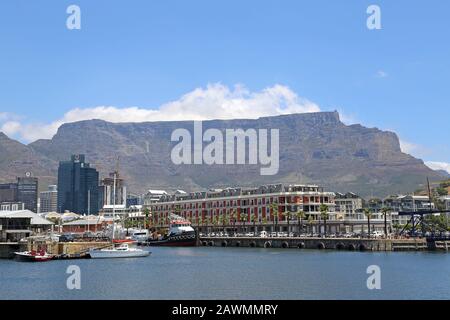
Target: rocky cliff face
314, 148
17, 159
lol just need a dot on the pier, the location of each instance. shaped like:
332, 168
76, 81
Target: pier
349, 244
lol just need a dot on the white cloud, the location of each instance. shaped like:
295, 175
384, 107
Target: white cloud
438, 165
381, 74
348, 118
416, 150
408, 147
216, 101
10, 128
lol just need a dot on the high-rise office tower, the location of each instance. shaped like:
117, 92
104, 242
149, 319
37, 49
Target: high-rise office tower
77, 186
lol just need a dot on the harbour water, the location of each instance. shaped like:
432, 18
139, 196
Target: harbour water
234, 273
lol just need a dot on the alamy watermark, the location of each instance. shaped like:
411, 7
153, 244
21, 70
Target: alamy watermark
374, 280
73, 21
374, 19
238, 146
73, 282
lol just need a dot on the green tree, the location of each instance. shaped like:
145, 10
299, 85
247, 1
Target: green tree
146, 215
396, 227
254, 219
264, 221
274, 207
233, 216
324, 215
223, 219
243, 218
368, 214
300, 217
385, 211
287, 216
310, 222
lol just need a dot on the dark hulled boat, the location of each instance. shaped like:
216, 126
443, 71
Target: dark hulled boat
181, 234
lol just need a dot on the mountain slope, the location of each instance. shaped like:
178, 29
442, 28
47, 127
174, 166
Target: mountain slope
314, 148
17, 159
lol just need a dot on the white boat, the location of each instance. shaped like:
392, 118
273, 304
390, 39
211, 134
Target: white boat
121, 248
140, 236
121, 251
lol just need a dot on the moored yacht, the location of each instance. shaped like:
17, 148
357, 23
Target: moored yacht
121, 249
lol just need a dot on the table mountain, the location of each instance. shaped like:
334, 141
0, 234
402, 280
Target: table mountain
314, 148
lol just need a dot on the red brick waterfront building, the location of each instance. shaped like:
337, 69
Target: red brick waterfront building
261, 206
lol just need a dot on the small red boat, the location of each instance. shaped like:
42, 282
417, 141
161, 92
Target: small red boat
34, 256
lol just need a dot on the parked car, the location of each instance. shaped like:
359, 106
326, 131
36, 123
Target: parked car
67, 237
263, 234
377, 234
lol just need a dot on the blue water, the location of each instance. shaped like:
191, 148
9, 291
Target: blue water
234, 273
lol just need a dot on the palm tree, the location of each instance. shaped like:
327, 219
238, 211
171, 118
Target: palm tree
223, 219
324, 215
264, 221
385, 211
176, 211
274, 207
216, 222
244, 218
233, 216
310, 222
146, 214
208, 221
287, 215
254, 218
203, 220
368, 214
300, 216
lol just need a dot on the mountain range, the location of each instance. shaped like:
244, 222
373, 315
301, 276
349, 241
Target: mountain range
314, 148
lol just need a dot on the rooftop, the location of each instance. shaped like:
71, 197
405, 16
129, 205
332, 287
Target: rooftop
35, 218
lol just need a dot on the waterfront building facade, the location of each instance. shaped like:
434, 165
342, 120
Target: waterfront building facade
78, 186
409, 203
268, 206
48, 200
350, 205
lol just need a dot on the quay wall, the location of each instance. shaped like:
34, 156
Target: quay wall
352, 244
69, 248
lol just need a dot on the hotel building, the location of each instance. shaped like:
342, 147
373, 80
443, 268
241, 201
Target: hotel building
262, 206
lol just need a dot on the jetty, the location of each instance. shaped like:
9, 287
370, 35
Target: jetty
350, 244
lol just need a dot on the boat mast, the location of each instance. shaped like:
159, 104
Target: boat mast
114, 204
114, 196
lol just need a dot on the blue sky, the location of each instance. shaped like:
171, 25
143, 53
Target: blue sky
145, 54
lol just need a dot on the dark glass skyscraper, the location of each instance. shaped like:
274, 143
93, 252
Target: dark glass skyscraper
27, 192
8, 192
77, 186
